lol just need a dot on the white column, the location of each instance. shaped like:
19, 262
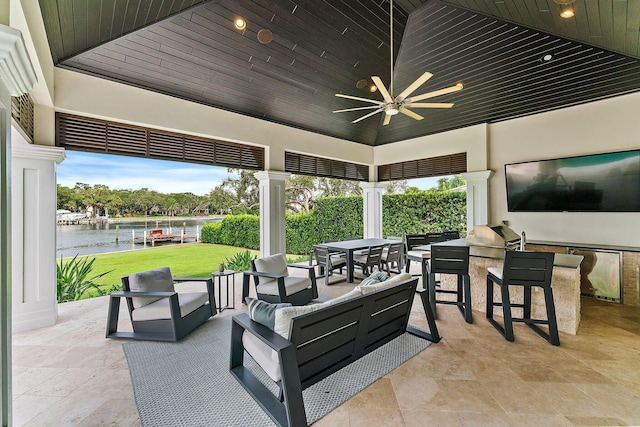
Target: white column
272, 212
33, 232
372, 208
477, 197
17, 76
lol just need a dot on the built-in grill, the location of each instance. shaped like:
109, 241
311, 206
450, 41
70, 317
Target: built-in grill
494, 236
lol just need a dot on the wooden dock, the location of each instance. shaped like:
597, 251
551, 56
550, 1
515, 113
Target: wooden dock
158, 235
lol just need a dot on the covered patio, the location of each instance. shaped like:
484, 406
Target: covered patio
582, 100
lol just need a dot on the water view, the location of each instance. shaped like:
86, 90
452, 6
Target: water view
87, 239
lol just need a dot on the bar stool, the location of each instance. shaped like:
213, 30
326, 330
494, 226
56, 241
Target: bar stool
526, 269
451, 260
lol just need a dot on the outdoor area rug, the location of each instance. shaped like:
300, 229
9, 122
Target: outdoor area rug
189, 384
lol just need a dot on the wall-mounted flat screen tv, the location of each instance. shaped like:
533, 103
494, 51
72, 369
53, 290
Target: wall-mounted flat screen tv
596, 183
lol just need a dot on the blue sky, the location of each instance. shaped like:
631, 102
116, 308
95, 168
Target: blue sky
122, 173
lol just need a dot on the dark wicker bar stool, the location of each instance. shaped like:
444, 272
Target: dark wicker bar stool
526, 269
451, 260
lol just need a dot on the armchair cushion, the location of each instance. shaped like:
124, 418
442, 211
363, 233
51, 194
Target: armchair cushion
263, 312
158, 280
159, 309
274, 264
291, 284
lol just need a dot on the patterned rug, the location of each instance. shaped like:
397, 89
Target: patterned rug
188, 383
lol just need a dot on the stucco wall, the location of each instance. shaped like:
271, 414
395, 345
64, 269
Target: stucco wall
598, 127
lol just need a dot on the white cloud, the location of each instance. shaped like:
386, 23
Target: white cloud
120, 172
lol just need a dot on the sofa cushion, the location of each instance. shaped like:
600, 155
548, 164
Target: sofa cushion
264, 355
274, 264
159, 309
284, 315
354, 293
263, 312
292, 285
158, 280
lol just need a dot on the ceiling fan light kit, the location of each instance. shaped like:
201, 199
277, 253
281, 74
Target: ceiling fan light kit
392, 105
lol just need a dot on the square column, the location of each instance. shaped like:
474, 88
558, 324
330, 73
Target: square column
372, 208
477, 197
272, 212
33, 232
17, 77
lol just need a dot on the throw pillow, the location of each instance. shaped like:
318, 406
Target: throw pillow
263, 312
375, 277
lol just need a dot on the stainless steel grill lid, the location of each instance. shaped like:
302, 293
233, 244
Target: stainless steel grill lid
498, 236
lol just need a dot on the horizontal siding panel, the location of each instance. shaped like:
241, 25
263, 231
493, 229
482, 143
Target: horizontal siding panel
199, 150
424, 168
126, 140
252, 157
101, 136
302, 164
163, 144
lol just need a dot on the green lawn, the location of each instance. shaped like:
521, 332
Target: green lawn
187, 260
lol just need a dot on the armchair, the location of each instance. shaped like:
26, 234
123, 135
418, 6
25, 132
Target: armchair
156, 310
273, 283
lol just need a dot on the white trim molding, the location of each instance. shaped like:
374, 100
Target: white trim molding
16, 70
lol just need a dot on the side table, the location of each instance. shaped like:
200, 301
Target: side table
217, 277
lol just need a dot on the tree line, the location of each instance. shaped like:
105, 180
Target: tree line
234, 195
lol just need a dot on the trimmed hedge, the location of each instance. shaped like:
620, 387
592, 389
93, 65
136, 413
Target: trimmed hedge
340, 218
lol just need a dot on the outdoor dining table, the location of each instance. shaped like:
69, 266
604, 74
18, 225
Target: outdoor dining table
350, 246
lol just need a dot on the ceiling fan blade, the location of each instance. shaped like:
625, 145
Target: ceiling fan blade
387, 119
431, 105
410, 113
436, 93
365, 116
413, 86
383, 90
373, 101
368, 107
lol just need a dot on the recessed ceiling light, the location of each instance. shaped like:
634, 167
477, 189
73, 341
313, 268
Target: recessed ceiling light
566, 8
240, 23
373, 88
546, 58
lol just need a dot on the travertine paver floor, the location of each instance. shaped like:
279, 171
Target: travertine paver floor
70, 375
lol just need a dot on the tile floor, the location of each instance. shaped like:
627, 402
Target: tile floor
70, 375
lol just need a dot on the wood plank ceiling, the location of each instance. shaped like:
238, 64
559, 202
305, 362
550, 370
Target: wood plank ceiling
190, 49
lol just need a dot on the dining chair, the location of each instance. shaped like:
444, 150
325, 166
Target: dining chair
371, 259
328, 262
392, 255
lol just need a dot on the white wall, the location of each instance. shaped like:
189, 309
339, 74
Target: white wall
598, 127
472, 140
78, 94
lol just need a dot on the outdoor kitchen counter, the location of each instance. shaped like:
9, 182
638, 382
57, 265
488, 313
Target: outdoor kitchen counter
565, 283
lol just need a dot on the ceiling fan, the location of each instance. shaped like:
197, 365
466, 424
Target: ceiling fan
392, 105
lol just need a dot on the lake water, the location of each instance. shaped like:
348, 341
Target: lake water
87, 239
